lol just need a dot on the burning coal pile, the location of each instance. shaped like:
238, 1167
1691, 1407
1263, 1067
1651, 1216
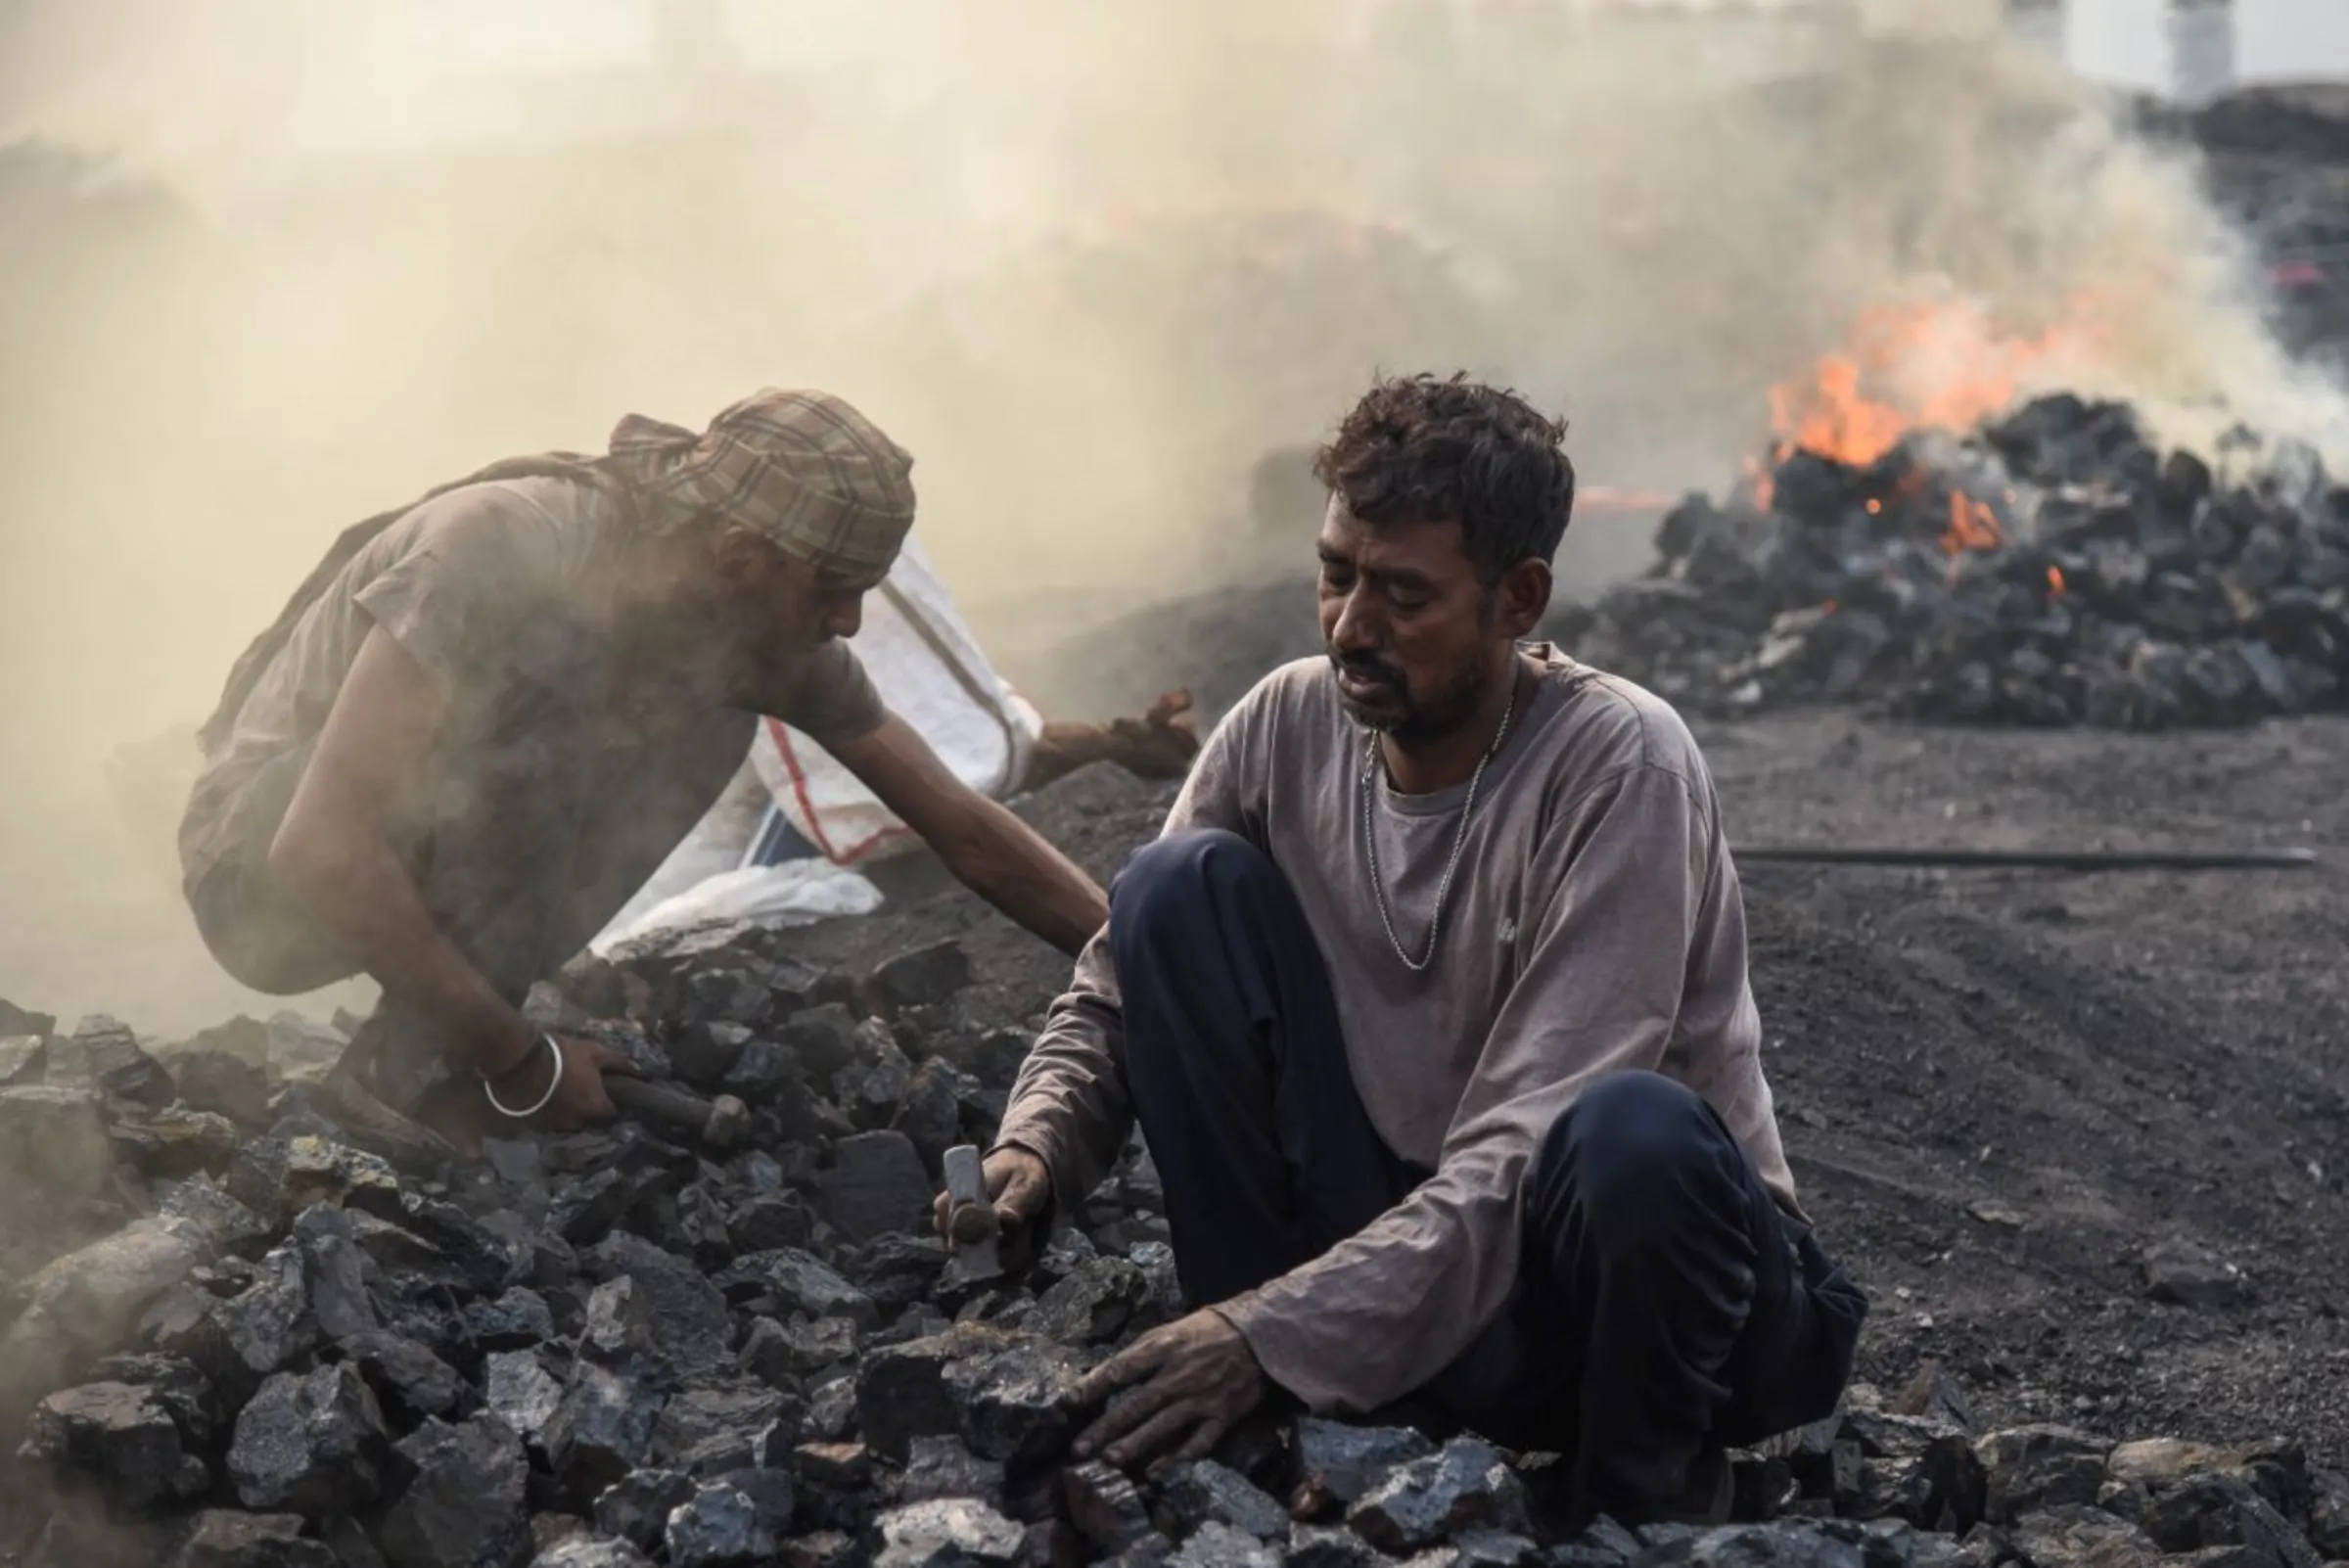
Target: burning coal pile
2052, 566
266, 1341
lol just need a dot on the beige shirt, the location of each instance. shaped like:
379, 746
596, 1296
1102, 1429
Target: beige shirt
1594, 925
454, 582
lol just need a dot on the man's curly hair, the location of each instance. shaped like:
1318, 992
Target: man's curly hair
1419, 449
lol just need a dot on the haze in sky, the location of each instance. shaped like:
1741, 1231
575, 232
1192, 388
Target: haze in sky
2285, 41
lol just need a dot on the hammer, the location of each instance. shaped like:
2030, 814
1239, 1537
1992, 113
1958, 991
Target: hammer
970, 1218
720, 1122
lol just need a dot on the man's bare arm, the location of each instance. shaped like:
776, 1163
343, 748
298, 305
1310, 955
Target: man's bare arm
334, 853
991, 852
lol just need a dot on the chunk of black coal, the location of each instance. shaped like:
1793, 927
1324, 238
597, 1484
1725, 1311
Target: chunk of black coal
54, 1141
1463, 1486
872, 1086
403, 1373
514, 1320
710, 1429
921, 978
692, 1337
781, 1351
637, 1508
1220, 1545
518, 1389
102, 1056
602, 1429
2032, 1467
315, 1445
1106, 1507
1325, 1546
931, 1114
769, 1221
584, 1551
948, 1533
1201, 1491
944, 1467
717, 1526
2181, 1274
463, 1507
124, 1438
876, 1185
24, 1060
1092, 1305
898, 1269
1337, 1463
1020, 1405
223, 1537
800, 1282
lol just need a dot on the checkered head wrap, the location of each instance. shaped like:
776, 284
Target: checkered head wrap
803, 468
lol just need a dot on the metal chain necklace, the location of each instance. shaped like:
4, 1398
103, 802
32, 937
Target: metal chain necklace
1460, 840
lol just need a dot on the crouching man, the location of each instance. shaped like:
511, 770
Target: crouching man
1432, 1005
487, 718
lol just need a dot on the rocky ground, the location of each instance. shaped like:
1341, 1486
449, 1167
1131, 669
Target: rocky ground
2081, 1137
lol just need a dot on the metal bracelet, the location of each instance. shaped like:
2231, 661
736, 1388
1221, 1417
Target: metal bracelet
489, 1091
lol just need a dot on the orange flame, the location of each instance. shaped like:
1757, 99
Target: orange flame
1942, 365
2055, 581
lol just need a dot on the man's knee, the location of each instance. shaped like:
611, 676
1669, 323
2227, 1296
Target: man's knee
1170, 883
1633, 1152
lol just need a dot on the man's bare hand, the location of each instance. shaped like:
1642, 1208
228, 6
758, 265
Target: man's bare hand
1020, 1190
579, 1099
1172, 1394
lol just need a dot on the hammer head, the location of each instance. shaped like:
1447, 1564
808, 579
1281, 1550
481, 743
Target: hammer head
970, 1218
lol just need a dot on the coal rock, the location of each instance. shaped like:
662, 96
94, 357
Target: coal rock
1494, 1549
463, 1505
705, 1053
315, 1445
944, 1467
124, 1438
876, 1185
582, 1552
931, 1114
54, 1141
2070, 1536
710, 1429
1463, 1486
17, 1021
519, 1390
1019, 1405
947, 1532
319, 1169
1202, 1492
102, 1056
223, 1083
601, 1430
403, 1373
2210, 1511
222, 1538
769, 1221
637, 1508
1106, 1507
269, 1325
184, 1391
691, 1312
1339, 1463
897, 1269
800, 1282
514, 1320
808, 1348
1093, 1305
717, 1526
765, 1073
922, 978
1220, 1545
2032, 1467
1322, 1547
2181, 1274
24, 1060
823, 1037
872, 1087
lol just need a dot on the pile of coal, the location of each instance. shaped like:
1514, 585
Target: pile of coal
2054, 568
261, 1342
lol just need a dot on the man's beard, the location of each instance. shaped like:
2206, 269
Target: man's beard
1411, 717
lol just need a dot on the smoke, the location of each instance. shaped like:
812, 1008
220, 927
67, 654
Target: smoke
283, 264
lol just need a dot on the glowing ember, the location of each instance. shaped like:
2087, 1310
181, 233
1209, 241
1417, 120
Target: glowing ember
2055, 581
1972, 526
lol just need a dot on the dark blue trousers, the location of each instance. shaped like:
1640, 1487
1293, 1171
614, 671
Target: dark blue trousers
1665, 1305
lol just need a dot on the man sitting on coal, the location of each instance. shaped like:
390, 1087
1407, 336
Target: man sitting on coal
487, 717
1431, 1003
